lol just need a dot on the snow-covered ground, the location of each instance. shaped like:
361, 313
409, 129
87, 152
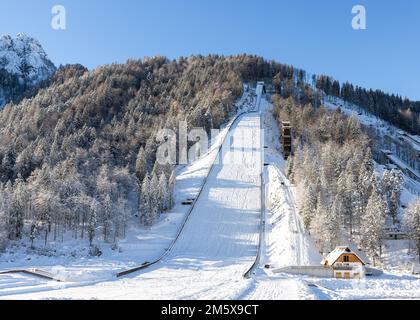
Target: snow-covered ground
71, 261
218, 243
286, 243
397, 255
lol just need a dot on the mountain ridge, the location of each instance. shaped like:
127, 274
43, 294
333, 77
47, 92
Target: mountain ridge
23, 65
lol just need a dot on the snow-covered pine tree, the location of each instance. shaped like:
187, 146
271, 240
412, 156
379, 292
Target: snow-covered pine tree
145, 201
8, 163
346, 188
333, 224
318, 228
17, 210
366, 183
391, 187
120, 218
33, 232
55, 154
326, 226
372, 226
106, 216
150, 153
103, 185
289, 169
141, 164
92, 222
412, 223
171, 187
25, 162
395, 199
81, 206
308, 204
3, 218
164, 194
155, 199
46, 204
354, 129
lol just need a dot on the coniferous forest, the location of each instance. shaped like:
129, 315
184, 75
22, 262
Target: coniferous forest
79, 155
399, 111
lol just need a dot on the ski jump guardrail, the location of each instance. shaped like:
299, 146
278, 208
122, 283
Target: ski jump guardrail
256, 263
33, 272
191, 209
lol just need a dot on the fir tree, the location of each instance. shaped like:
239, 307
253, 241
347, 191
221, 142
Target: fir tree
141, 164
145, 201
372, 227
164, 194
412, 223
391, 187
17, 211
92, 222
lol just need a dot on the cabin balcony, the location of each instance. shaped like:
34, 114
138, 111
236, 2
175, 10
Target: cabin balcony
343, 266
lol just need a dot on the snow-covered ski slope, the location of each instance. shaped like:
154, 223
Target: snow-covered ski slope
218, 243
220, 239
286, 243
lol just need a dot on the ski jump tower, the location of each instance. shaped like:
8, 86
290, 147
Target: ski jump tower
286, 138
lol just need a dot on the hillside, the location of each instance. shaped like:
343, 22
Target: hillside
399, 111
79, 169
83, 148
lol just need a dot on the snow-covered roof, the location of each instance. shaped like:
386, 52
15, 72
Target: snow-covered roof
349, 249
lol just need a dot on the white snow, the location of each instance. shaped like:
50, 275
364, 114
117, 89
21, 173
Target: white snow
71, 261
286, 242
218, 243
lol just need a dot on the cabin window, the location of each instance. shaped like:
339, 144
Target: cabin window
346, 259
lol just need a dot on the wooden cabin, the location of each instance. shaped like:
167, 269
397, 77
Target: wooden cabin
346, 263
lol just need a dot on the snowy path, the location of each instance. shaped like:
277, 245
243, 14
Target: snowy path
216, 247
286, 242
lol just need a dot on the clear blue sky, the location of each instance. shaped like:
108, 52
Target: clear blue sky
314, 35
